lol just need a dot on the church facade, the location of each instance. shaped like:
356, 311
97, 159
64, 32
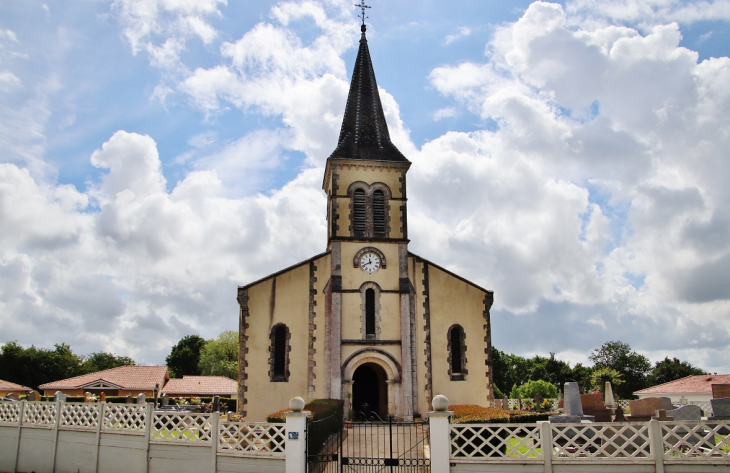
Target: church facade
366, 321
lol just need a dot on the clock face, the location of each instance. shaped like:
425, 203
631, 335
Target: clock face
370, 263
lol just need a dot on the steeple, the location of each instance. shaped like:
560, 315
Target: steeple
364, 133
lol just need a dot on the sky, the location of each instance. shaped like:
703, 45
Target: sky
572, 157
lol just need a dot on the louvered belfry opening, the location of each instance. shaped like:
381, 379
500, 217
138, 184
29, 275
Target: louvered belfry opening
370, 313
456, 355
359, 213
379, 213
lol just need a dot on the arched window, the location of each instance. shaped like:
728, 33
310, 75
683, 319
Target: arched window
457, 353
379, 213
370, 313
279, 353
359, 212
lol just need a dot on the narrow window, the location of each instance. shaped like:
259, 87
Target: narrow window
359, 220
379, 213
279, 359
457, 349
370, 313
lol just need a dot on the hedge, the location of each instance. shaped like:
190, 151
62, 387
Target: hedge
473, 414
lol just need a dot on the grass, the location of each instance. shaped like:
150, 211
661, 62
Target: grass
175, 435
522, 449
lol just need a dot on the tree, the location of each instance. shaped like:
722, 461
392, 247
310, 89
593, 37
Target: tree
185, 356
532, 387
35, 366
633, 366
100, 361
671, 369
220, 356
599, 376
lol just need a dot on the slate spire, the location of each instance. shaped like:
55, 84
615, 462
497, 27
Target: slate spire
364, 133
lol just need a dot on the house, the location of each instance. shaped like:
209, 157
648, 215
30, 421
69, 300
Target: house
201, 386
367, 320
6, 387
687, 389
119, 381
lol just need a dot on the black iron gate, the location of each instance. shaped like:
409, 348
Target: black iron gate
370, 447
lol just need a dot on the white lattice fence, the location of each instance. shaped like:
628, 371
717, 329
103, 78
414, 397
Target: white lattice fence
608, 441
623, 403
684, 440
9, 413
493, 441
181, 428
125, 418
513, 403
260, 438
80, 416
706, 406
39, 414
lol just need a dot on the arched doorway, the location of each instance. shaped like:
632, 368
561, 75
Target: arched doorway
369, 390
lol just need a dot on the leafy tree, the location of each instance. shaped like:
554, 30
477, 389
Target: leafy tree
99, 361
581, 375
599, 376
185, 356
532, 387
220, 356
509, 370
670, 369
633, 366
35, 366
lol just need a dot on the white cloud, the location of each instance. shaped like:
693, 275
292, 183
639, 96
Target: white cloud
463, 32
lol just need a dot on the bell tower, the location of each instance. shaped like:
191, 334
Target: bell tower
370, 297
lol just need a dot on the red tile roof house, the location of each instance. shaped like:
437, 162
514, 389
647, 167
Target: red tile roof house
688, 389
119, 381
202, 386
6, 387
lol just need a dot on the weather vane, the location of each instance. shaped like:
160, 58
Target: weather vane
362, 7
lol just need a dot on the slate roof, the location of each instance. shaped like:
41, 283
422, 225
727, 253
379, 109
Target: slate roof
8, 386
690, 384
126, 377
200, 385
364, 133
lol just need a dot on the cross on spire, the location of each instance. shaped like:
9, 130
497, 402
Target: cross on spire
362, 7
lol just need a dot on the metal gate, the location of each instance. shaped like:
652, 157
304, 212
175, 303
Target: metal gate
371, 447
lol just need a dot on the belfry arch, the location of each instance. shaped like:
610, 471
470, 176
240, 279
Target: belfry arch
372, 365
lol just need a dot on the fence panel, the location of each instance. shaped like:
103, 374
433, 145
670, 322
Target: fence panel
520, 442
124, 418
259, 438
185, 428
607, 441
39, 415
696, 440
9, 412
79, 416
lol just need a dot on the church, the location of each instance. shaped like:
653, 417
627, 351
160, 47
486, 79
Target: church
366, 321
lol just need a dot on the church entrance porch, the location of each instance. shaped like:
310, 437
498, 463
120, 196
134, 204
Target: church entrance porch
369, 392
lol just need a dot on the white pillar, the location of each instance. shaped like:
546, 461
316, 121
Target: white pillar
439, 431
296, 437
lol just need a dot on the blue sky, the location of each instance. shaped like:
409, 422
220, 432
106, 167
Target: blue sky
571, 157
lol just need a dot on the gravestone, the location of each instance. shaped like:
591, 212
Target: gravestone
644, 409
721, 411
13, 396
573, 406
33, 396
685, 413
666, 403
141, 398
129, 399
608, 399
102, 397
661, 415
164, 400
592, 405
88, 397
720, 391
619, 417
538, 401
216, 403
59, 397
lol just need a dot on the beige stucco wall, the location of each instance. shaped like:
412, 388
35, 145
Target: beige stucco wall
288, 303
453, 301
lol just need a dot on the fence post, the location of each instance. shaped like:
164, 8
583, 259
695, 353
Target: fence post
149, 413
99, 424
439, 431
214, 432
656, 444
296, 437
546, 439
21, 413
56, 426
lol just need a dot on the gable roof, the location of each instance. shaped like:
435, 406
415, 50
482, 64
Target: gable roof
8, 386
364, 133
200, 385
689, 384
125, 377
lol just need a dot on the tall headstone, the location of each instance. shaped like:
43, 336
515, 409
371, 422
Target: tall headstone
608, 399
216, 403
58, 396
573, 406
129, 399
102, 397
164, 400
720, 408
33, 396
619, 417
141, 398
